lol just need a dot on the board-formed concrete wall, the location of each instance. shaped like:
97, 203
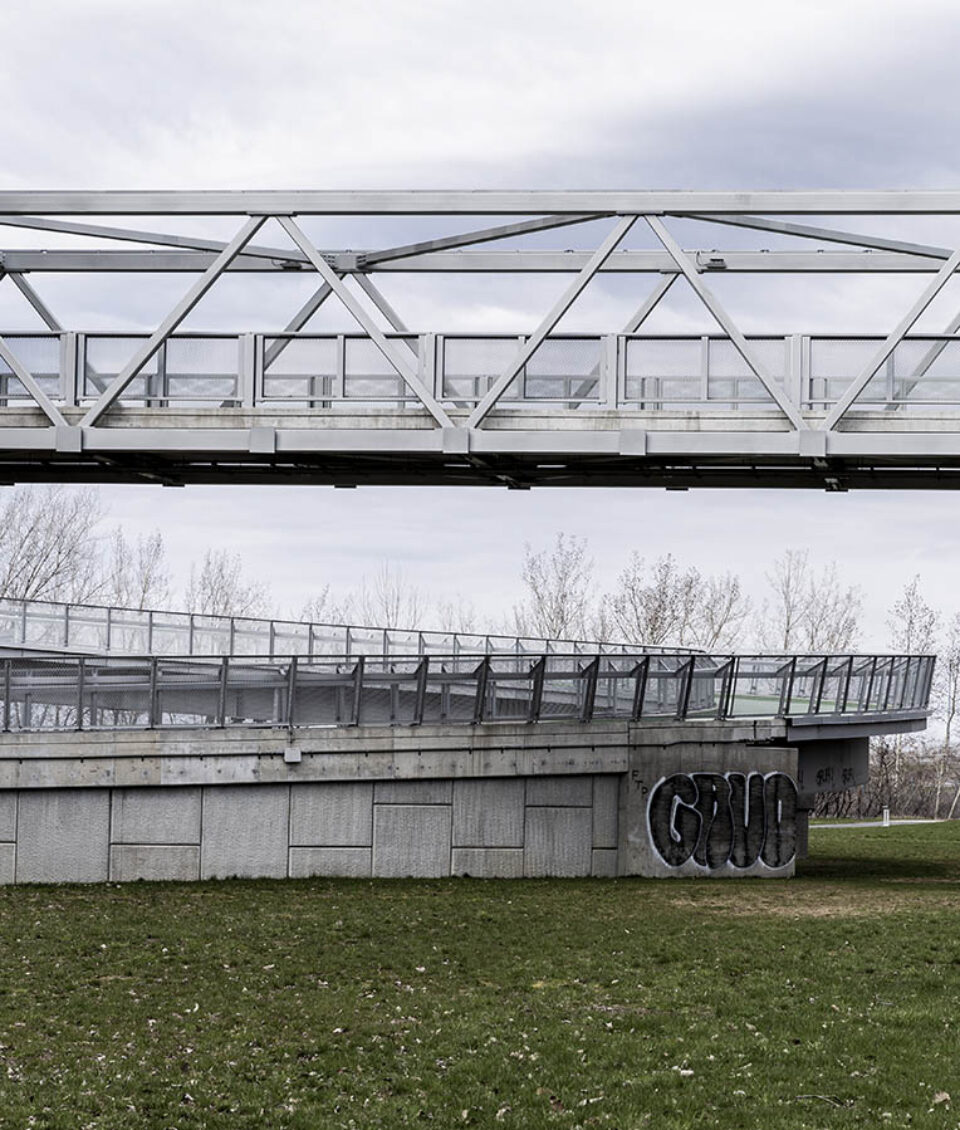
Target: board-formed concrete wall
485, 827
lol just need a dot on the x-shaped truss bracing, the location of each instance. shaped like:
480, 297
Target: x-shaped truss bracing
481, 249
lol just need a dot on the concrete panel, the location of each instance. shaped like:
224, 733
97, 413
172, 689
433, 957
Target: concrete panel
8, 860
244, 831
64, 836
413, 792
559, 842
343, 862
488, 863
154, 861
156, 816
334, 815
606, 799
604, 863
8, 816
411, 840
488, 813
560, 791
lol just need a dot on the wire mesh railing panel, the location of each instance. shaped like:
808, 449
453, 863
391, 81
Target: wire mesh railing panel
470, 365
565, 371
664, 370
731, 381
369, 377
301, 370
39, 354
104, 357
199, 369
190, 694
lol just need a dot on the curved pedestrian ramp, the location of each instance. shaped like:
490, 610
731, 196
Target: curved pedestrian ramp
65, 692
491, 763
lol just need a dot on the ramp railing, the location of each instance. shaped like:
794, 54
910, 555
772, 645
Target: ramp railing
83, 692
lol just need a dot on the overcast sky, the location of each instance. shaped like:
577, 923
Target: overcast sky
109, 94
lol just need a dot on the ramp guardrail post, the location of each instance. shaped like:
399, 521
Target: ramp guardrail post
153, 713
685, 675
640, 673
81, 671
357, 690
291, 691
539, 674
482, 674
421, 692
589, 677
222, 697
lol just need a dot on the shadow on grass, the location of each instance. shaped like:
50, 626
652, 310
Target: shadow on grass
929, 853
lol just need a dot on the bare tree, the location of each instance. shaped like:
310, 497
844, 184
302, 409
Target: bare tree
663, 603
808, 610
218, 588
456, 615
49, 548
387, 600
319, 609
913, 623
138, 573
559, 600
722, 612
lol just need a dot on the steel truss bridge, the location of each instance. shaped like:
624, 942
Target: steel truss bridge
387, 403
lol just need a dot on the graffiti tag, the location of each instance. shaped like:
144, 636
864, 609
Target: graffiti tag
720, 818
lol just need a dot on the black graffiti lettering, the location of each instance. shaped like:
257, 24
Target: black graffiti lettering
716, 824
717, 818
748, 818
780, 804
674, 823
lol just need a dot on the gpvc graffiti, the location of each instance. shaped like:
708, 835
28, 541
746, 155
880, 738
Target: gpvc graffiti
720, 818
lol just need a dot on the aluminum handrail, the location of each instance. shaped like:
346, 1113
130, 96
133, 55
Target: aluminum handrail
71, 626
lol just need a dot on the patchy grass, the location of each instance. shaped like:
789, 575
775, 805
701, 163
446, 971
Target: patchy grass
829, 1001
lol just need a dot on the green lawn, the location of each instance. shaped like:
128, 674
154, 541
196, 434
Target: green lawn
832, 1000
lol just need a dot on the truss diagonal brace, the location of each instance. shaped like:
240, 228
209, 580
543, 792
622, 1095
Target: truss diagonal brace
397, 360
35, 301
863, 378
173, 319
679, 256
824, 235
526, 351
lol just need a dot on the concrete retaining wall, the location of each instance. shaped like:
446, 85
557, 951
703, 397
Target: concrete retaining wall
487, 828
564, 799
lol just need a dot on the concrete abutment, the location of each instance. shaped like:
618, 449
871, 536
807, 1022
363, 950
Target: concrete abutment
606, 799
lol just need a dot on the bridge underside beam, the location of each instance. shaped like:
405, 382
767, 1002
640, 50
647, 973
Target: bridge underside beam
605, 459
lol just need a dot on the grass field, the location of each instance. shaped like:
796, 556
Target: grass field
832, 1000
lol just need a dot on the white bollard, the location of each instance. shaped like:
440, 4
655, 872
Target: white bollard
886, 816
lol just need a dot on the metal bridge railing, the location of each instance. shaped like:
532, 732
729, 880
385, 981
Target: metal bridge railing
102, 693
568, 372
54, 625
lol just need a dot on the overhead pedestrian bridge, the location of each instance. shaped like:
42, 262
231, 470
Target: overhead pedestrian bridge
384, 402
